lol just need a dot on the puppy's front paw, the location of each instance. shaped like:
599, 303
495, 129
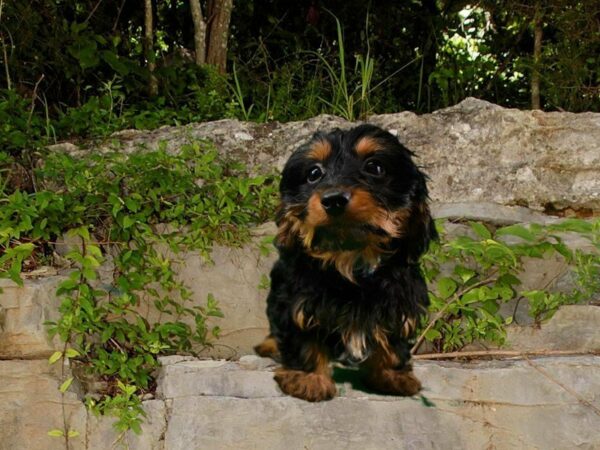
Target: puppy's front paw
310, 386
397, 382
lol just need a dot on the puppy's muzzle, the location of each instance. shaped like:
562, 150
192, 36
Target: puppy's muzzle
335, 201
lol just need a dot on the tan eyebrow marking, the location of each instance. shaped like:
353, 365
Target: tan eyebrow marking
320, 150
367, 145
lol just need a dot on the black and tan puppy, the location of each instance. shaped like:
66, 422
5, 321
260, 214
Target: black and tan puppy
347, 287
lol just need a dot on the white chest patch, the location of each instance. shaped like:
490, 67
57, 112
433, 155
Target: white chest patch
356, 345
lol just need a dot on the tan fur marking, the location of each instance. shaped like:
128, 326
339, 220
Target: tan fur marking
314, 355
316, 217
364, 208
267, 348
289, 225
383, 376
309, 386
409, 326
315, 385
345, 261
380, 336
299, 316
367, 145
320, 150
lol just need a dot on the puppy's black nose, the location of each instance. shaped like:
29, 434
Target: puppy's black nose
334, 202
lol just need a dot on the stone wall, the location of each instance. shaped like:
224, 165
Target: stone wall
485, 163
473, 152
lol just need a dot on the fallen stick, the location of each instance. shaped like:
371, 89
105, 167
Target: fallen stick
503, 354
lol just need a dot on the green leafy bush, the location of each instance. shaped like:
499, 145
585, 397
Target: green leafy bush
140, 211
471, 277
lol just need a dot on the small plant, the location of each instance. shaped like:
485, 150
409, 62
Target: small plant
238, 95
344, 99
472, 277
140, 211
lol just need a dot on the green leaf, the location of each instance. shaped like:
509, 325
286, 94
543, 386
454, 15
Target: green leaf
432, 335
471, 296
63, 387
113, 60
516, 230
54, 357
576, 225
446, 287
82, 232
89, 274
56, 433
132, 204
481, 230
464, 273
72, 353
128, 222
73, 433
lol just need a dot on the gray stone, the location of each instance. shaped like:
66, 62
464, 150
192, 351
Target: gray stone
30, 406
174, 359
214, 378
502, 405
103, 436
476, 151
208, 404
473, 152
573, 327
23, 311
253, 362
233, 278
492, 213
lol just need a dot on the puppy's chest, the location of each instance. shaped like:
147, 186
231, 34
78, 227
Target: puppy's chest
353, 327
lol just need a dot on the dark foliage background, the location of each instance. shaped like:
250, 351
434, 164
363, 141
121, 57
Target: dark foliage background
74, 68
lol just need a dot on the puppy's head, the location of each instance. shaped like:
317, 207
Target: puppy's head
353, 198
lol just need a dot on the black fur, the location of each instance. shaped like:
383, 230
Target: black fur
385, 296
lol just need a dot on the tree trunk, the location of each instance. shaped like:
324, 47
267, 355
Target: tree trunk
199, 31
149, 47
537, 54
219, 14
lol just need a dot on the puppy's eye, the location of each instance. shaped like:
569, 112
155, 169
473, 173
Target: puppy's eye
374, 168
315, 174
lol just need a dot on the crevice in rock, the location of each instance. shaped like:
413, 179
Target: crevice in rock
572, 211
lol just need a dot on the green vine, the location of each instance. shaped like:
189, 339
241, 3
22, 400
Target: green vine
472, 276
136, 214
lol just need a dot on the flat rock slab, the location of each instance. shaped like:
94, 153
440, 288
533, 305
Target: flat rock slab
23, 311
30, 406
501, 405
549, 403
573, 327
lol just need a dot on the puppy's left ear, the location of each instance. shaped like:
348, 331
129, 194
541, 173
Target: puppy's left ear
420, 231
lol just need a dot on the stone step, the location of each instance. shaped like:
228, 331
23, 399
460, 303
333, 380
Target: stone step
500, 404
544, 403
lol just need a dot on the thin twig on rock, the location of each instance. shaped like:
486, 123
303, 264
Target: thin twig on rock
503, 354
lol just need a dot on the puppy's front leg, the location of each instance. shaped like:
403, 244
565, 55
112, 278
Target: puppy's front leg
307, 374
387, 373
